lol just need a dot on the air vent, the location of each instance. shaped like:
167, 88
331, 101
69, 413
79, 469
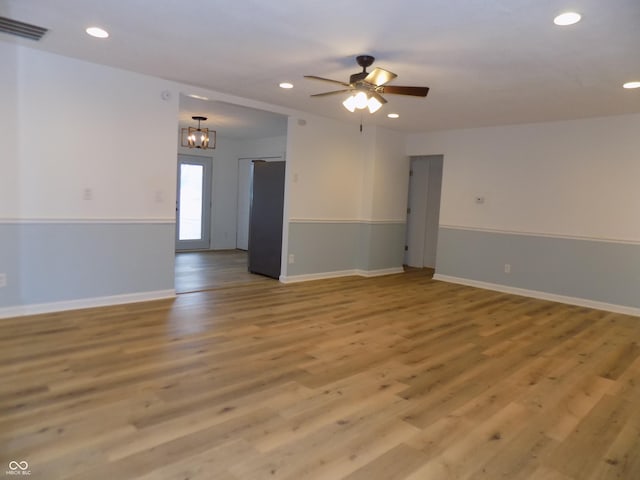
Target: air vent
21, 29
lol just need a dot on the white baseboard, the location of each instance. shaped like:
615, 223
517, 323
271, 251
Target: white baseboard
8, 312
53, 307
581, 302
340, 273
317, 276
381, 272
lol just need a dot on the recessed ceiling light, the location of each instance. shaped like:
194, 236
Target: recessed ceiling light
631, 85
286, 85
393, 115
567, 18
97, 32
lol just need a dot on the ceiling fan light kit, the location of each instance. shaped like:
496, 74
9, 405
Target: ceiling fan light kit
360, 101
198, 137
365, 88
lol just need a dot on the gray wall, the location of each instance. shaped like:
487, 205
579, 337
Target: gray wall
325, 247
10, 253
601, 271
57, 262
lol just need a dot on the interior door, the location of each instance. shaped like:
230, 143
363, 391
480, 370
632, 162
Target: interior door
423, 214
193, 204
434, 191
416, 213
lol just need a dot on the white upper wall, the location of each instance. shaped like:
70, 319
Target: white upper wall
575, 178
9, 166
263, 147
224, 208
87, 126
391, 177
110, 134
324, 170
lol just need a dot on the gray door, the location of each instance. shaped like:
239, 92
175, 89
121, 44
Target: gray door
244, 199
416, 213
265, 224
423, 214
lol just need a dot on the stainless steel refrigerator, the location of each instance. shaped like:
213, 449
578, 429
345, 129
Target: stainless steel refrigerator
265, 218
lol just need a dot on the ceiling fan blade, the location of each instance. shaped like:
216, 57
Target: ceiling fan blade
378, 97
313, 77
397, 90
379, 77
330, 93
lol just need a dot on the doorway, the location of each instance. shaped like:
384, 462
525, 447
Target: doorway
423, 212
193, 203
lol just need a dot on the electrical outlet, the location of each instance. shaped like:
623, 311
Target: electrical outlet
507, 268
3, 280
87, 194
292, 258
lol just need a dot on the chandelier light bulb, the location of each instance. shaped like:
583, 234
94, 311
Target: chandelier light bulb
198, 137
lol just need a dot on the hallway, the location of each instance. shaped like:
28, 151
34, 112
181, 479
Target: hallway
208, 270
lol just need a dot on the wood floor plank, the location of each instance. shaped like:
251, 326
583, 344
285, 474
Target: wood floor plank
388, 378
394, 464
594, 434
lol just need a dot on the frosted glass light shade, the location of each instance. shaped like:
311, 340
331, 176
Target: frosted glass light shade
373, 104
350, 103
361, 100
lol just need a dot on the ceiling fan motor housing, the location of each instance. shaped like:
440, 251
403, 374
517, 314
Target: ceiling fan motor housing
364, 61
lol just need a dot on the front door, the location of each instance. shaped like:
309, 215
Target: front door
193, 203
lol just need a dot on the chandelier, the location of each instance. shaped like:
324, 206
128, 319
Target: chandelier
198, 137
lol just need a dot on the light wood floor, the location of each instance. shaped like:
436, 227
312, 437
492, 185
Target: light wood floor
197, 271
397, 377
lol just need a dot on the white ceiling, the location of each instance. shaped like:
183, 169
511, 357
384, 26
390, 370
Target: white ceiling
487, 62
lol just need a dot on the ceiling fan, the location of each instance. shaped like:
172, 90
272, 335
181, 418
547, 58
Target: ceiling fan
367, 87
